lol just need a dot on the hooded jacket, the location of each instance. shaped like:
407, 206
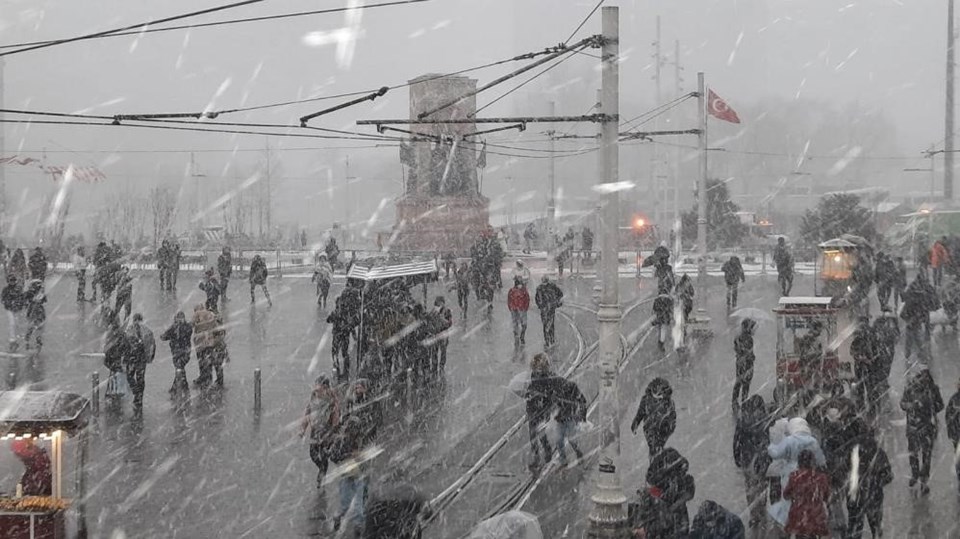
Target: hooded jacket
922, 402
751, 437
715, 522
656, 411
788, 450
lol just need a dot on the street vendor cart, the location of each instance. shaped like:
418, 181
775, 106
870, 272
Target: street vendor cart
813, 352
34, 426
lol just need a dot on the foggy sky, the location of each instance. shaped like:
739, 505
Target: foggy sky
883, 55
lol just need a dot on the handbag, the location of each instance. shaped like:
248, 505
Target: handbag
117, 385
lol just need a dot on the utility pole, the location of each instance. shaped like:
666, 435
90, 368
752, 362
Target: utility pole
948, 123
3, 149
269, 188
346, 204
598, 219
198, 189
608, 519
677, 218
551, 195
657, 170
702, 181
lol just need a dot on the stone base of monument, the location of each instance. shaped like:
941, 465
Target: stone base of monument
439, 223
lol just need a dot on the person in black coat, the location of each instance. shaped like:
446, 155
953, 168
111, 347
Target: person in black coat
922, 402
395, 510
886, 330
35, 300
38, 264
340, 347
225, 270
124, 292
571, 411
953, 426
179, 335
13, 302
743, 350
750, 440
713, 521
212, 289
733, 275
685, 293
886, 277
548, 298
541, 401
658, 415
865, 498
258, 277
668, 473
665, 278
866, 367
663, 318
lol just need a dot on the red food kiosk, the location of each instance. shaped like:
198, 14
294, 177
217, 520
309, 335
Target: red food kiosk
33, 427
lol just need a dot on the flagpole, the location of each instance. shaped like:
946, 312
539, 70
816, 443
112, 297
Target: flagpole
702, 181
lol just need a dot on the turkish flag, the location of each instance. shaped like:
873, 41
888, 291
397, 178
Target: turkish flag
719, 109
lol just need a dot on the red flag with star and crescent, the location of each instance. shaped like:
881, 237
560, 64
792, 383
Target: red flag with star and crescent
719, 109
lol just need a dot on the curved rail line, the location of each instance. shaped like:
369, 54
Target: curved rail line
443, 500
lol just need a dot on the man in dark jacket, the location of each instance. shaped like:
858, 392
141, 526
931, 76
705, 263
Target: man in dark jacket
571, 411
668, 473
733, 275
549, 298
340, 345
663, 318
140, 350
225, 269
163, 264
441, 320
541, 400
658, 415
38, 264
886, 330
918, 301
886, 277
922, 402
124, 292
395, 510
953, 427
750, 440
212, 289
258, 277
665, 277
179, 335
743, 350
35, 300
13, 303
462, 278
863, 351
783, 260
866, 493
713, 521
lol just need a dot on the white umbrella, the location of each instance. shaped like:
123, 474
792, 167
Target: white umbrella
518, 384
510, 525
753, 313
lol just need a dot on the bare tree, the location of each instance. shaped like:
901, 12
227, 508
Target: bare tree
163, 205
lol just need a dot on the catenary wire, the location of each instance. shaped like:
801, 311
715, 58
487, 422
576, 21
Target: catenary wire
584, 21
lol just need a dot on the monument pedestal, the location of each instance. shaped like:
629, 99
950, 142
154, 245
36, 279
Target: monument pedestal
440, 223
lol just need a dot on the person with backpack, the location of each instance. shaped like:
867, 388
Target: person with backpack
179, 335
571, 411
258, 277
745, 359
140, 351
733, 275
658, 415
922, 402
549, 298
321, 419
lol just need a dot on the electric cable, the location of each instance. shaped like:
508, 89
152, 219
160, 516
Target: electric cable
584, 21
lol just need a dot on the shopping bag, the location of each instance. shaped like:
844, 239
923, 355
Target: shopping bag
116, 385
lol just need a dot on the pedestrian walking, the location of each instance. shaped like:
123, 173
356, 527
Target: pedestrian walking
441, 320
571, 411
808, 490
886, 277
658, 415
140, 350
175, 257
35, 299
952, 417
332, 250
733, 275
114, 351
321, 420
224, 270
685, 295
713, 521
258, 277
518, 302
541, 400
322, 276
164, 259
783, 259
521, 272
750, 441
900, 284
669, 475
549, 298
13, 303
38, 264
663, 318
586, 243
347, 451
918, 301
922, 402
79, 263
18, 266
462, 278
396, 510
124, 292
939, 259
212, 289
529, 235
745, 358
340, 345
205, 325
865, 497
665, 278
179, 335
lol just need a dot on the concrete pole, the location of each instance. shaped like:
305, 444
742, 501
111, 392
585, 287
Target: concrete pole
3, 149
657, 170
702, 181
608, 518
551, 195
677, 218
948, 123
597, 221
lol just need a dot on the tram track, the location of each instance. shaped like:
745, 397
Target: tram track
518, 496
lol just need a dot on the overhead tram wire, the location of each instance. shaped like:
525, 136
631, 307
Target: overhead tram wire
144, 25
561, 60
584, 21
229, 22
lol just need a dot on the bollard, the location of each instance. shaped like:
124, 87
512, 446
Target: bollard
256, 391
95, 400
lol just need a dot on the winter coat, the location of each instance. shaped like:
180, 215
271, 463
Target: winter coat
663, 310
715, 522
657, 412
733, 271
548, 297
919, 301
541, 396
571, 404
18, 266
808, 491
743, 349
685, 291
12, 297
206, 329
751, 437
783, 260
225, 265
211, 288
952, 417
922, 402
652, 515
38, 265
939, 255
141, 346
395, 512
788, 450
462, 277
873, 470
839, 438
518, 299
36, 312
370, 415
258, 271
665, 278
179, 334
668, 472
886, 272
322, 416
125, 287
114, 349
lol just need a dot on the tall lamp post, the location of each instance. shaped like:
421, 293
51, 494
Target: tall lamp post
608, 519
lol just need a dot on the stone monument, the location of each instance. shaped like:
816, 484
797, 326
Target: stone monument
441, 208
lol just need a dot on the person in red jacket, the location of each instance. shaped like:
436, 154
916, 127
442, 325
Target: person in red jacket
939, 258
518, 301
37, 480
808, 490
